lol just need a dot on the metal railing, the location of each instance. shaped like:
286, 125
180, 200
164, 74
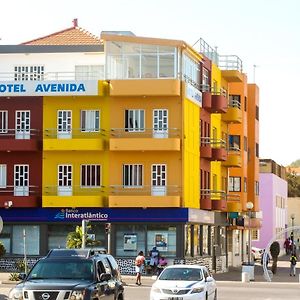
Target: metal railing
215, 143
11, 190
52, 133
219, 195
146, 190
75, 190
145, 132
19, 133
204, 48
230, 62
234, 103
50, 76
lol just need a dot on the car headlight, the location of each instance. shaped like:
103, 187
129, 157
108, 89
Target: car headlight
155, 289
77, 295
197, 290
16, 294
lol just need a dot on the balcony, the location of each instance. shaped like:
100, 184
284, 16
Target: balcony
73, 139
145, 87
167, 139
74, 196
233, 202
15, 196
234, 113
234, 158
205, 148
219, 103
206, 97
20, 140
205, 199
144, 196
232, 68
219, 151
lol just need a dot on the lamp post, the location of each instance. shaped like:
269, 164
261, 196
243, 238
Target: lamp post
249, 206
292, 233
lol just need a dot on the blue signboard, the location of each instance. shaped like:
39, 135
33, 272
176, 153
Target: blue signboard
34, 215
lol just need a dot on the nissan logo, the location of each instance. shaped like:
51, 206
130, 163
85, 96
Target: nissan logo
45, 296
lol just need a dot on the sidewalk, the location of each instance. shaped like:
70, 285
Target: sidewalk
234, 274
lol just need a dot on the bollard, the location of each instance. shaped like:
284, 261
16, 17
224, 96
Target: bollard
245, 277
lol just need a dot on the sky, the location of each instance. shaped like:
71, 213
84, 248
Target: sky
263, 33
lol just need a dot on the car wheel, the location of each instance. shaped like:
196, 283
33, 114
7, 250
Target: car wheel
216, 295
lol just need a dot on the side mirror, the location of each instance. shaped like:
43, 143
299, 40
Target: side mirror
22, 276
105, 277
209, 279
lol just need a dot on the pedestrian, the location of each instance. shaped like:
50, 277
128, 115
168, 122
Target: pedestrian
154, 259
286, 245
267, 258
293, 261
139, 266
162, 263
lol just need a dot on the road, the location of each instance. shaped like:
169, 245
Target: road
234, 291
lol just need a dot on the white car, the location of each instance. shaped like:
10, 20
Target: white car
184, 282
256, 253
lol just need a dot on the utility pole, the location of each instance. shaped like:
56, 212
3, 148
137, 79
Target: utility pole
83, 226
25, 256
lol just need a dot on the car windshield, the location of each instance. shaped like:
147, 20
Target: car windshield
187, 274
63, 269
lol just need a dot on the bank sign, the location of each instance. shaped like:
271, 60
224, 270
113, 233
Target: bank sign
49, 88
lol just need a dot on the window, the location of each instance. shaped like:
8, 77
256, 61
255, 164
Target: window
235, 101
191, 71
132, 175
234, 142
255, 234
245, 184
134, 120
90, 120
3, 121
205, 240
245, 144
256, 112
256, 188
2, 176
88, 72
205, 80
234, 184
90, 175
245, 104
29, 73
257, 150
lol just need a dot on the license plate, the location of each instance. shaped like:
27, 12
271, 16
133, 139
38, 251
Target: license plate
175, 298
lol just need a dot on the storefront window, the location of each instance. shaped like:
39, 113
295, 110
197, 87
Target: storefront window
205, 240
57, 235
188, 240
32, 239
130, 239
197, 237
163, 237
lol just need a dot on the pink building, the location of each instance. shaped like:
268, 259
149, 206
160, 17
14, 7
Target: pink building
273, 203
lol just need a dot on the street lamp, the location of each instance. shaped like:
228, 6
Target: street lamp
249, 206
292, 233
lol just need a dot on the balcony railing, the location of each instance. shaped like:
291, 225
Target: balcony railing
75, 190
11, 190
145, 190
34, 76
204, 48
21, 134
230, 62
145, 132
51, 133
234, 103
213, 194
214, 143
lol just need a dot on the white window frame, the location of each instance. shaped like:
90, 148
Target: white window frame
137, 116
135, 175
3, 176
29, 73
91, 121
4, 121
88, 171
234, 184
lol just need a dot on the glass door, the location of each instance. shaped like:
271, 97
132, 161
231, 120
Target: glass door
22, 129
159, 180
160, 123
64, 124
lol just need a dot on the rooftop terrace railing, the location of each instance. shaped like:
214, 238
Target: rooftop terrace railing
230, 62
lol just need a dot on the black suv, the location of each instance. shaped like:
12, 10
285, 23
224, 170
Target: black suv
71, 274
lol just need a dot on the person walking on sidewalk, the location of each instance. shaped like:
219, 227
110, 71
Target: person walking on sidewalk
139, 266
293, 261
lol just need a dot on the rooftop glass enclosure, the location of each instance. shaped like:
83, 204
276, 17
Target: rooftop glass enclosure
143, 61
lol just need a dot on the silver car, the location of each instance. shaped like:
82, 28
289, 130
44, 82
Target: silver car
184, 282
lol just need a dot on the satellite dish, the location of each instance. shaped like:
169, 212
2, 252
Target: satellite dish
1, 224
